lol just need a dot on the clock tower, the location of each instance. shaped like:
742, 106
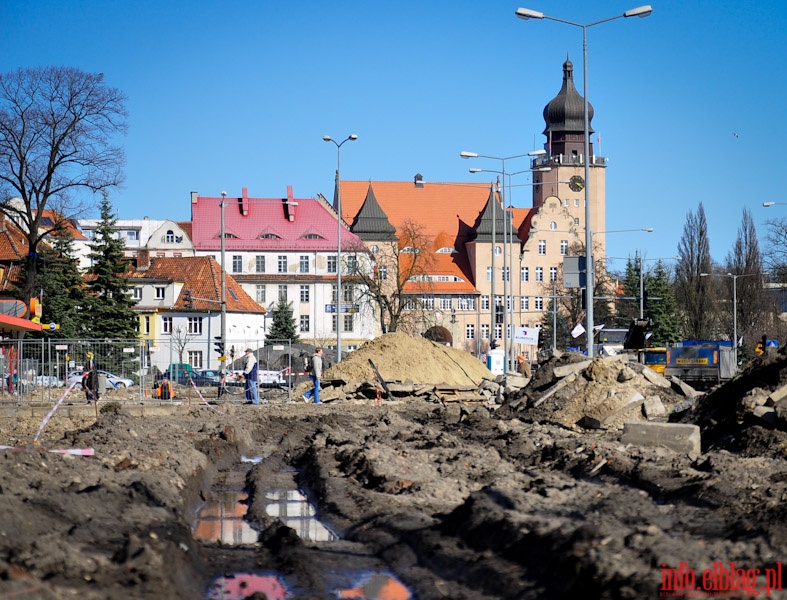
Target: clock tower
564, 116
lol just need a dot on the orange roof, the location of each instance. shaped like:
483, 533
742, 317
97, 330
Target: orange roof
447, 211
201, 275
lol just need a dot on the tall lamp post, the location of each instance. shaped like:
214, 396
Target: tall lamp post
506, 262
525, 14
734, 278
338, 207
223, 357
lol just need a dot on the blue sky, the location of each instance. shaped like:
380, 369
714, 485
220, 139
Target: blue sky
224, 95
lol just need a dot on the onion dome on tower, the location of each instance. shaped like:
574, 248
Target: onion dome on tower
565, 118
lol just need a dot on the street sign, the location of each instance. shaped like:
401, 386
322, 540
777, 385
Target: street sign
278, 347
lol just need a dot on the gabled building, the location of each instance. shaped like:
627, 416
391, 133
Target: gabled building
286, 248
179, 308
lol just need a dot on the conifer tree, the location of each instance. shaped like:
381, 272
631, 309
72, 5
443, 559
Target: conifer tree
662, 307
109, 303
283, 323
63, 288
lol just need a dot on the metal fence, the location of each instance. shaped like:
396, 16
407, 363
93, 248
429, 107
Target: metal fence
40, 371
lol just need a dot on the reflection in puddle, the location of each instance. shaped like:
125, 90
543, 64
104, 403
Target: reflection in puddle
239, 586
377, 586
221, 520
292, 508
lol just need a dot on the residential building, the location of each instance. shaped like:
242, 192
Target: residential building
179, 308
286, 248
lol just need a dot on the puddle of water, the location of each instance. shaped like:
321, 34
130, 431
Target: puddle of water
222, 520
295, 511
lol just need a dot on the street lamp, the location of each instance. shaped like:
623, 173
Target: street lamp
223, 358
506, 260
767, 204
338, 207
734, 278
525, 14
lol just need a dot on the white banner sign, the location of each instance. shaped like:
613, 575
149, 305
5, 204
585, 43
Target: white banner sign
526, 335
578, 330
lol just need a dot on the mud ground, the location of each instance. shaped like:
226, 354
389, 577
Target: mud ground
454, 500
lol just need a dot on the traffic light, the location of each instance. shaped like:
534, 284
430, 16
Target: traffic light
219, 345
645, 297
187, 299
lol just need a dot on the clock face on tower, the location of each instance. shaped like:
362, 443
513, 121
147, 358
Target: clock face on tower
576, 183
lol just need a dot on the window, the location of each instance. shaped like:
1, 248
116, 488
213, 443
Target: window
383, 272
334, 295
484, 302
539, 273
565, 202
445, 304
542, 247
348, 293
576, 202
485, 331
195, 325
333, 323
304, 293
552, 226
563, 247
375, 249
160, 293
283, 293
505, 273
524, 303
349, 322
237, 263
260, 294
303, 264
136, 293
498, 331
489, 273
259, 263
465, 303
195, 358
509, 303
498, 251
166, 325
525, 274
352, 264
552, 274
304, 323
132, 236
169, 237
146, 326
539, 303
576, 220
470, 331
282, 264
332, 264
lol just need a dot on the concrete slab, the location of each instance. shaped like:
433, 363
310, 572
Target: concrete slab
679, 437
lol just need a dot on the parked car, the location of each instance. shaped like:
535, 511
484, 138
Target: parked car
116, 381
206, 377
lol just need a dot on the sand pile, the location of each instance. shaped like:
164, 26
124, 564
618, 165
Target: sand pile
400, 357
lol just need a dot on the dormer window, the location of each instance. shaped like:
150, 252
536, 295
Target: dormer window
446, 250
169, 237
313, 236
269, 236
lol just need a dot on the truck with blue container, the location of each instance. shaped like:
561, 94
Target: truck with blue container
700, 363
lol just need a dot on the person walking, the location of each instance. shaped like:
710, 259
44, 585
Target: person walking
316, 375
251, 383
90, 380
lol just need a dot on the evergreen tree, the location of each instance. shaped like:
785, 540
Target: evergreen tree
63, 287
109, 303
283, 323
662, 307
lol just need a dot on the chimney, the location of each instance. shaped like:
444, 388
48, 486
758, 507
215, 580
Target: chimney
290, 205
244, 202
418, 180
143, 259
194, 196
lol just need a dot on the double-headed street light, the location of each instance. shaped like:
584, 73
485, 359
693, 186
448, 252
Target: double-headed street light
338, 207
506, 263
734, 278
525, 14
223, 357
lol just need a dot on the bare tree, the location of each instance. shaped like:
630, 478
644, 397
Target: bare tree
399, 279
693, 292
775, 253
180, 339
58, 129
745, 264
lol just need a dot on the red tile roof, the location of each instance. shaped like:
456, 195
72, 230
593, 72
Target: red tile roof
201, 275
267, 224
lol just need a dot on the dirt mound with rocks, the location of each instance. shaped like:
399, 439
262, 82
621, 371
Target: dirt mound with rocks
400, 357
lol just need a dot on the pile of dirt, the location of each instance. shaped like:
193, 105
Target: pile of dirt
400, 357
